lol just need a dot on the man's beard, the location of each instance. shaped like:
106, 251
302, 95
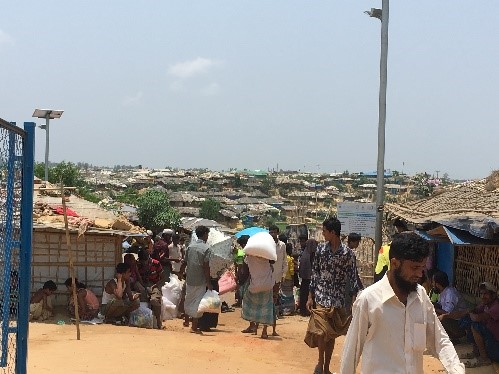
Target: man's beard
404, 285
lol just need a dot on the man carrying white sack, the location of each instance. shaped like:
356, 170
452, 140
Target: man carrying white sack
197, 258
258, 306
394, 321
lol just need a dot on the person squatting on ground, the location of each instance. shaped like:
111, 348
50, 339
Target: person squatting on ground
40, 307
117, 298
334, 264
197, 280
152, 279
394, 321
88, 304
482, 327
449, 307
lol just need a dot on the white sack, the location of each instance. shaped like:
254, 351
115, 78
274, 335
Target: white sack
261, 245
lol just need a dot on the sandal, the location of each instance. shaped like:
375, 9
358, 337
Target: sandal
248, 330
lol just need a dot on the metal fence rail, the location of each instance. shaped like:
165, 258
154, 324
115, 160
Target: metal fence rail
16, 199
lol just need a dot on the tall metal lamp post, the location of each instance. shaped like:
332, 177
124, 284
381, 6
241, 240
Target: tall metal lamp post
48, 114
381, 14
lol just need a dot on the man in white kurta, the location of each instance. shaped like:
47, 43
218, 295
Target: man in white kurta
394, 321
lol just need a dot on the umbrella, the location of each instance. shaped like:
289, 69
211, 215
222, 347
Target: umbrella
221, 251
250, 231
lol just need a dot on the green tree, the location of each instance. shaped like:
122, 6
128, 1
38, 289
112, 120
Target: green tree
155, 212
128, 196
209, 209
446, 181
270, 221
422, 187
67, 171
267, 185
237, 181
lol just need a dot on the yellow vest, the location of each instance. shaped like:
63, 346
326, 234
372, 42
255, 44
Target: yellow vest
383, 259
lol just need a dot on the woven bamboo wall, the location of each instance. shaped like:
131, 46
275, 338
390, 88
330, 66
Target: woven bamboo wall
94, 256
476, 264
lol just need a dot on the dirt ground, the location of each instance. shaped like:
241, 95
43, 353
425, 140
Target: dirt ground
53, 348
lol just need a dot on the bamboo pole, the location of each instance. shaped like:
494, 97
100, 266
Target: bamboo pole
71, 265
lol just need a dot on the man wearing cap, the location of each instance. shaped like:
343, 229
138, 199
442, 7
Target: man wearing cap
484, 327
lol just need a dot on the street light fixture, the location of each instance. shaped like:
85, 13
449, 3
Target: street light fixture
382, 15
48, 114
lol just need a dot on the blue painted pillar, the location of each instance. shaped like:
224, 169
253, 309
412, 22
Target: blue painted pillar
445, 259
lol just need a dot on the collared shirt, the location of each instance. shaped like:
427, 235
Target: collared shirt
330, 272
281, 265
196, 255
175, 251
391, 336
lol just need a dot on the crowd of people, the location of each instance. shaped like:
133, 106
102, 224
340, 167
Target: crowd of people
409, 309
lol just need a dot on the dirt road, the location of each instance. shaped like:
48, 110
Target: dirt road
114, 349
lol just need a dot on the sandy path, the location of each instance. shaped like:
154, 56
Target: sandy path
114, 349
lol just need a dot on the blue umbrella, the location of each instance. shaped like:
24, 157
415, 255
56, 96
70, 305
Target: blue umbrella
250, 231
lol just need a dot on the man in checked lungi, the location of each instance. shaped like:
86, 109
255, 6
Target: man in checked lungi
333, 265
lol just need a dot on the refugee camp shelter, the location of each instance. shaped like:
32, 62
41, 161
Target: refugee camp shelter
96, 237
463, 223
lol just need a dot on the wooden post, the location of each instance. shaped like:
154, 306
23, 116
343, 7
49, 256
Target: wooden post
71, 265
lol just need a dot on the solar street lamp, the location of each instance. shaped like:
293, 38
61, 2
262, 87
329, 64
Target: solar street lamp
383, 15
48, 114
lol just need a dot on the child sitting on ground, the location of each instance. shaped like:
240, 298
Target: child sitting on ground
40, 307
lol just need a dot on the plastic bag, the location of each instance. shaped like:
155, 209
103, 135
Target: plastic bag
168, 309
210, 303
227, 283
172, 290
142, 317
261, 245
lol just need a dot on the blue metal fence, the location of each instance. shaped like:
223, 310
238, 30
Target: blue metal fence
16, 227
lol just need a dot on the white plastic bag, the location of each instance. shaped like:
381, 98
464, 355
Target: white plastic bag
168, 309
210, 303
142, 317
172, 290
261, 245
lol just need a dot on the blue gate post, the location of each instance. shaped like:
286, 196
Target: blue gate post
26, 246
8, 245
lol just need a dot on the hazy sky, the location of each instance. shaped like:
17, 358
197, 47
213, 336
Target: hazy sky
256, 84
